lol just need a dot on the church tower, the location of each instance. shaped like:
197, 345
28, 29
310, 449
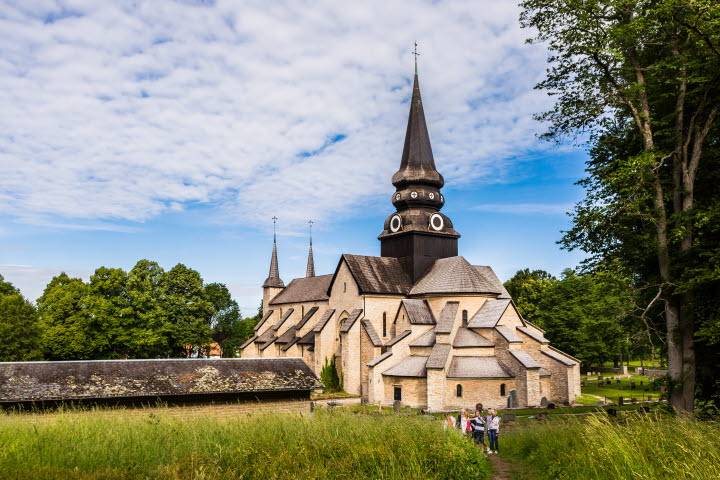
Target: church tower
273, 284
417, 233
310, 270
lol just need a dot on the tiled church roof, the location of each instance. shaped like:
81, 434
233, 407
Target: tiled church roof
534, 334
447, 317
508, 334
374, 337
560, 358
477, 367
412, 366
489, 314
308, 315
467, 338
439, 355
427, 340
323, 320
398, 337
525, 359
378, 274
455, 275
350, 321
261, 322
418, 312
312, 289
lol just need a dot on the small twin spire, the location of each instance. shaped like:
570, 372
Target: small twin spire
310, 271
274, 279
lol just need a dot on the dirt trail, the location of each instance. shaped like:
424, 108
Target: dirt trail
506, 469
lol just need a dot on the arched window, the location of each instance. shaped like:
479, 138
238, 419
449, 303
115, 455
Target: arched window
502, 390
384, 324
458, 390
464, 318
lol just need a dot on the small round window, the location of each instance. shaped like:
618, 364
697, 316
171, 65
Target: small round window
395, 223
437, 222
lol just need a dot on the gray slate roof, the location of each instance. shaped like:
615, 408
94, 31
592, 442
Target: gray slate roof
323, 320
379, 359
103, 379
267, 336
465, 338
412, 366
397, 338
534, 334
249, 341
447, 317
508, 334
525, 359
560, 358
378, 274
418, 311
477, 367
308, 315
307, 339
489, 274
439, 355
288, 336
489, 314
350, 321
311, 289
454, 275
427, 340
374, 337
265, 317
287, 314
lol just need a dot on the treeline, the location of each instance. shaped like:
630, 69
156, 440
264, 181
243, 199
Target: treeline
144, 313
592, 316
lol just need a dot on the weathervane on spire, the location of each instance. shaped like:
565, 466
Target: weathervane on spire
310, 224
416, 55
274, 219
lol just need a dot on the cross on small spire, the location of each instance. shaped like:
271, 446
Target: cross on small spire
415, 52
310, 224
274, 219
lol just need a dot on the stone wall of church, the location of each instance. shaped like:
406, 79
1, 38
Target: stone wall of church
436, 390
367, 353
557, 389
375, 306
485, 391
351, 359
414, 391
520, 383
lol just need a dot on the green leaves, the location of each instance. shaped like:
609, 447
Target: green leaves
18, 326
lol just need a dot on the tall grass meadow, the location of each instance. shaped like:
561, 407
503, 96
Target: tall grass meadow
638, 447
156, 444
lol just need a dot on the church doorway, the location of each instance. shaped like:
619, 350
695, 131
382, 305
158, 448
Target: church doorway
397, 396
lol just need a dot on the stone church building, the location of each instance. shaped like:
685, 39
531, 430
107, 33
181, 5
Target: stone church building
418, 323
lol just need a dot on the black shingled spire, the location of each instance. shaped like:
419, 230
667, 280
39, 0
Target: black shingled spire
273, 279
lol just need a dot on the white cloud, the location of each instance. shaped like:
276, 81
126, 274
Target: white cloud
31, 280
125, 110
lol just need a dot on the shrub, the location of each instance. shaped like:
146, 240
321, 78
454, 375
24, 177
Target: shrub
329, 376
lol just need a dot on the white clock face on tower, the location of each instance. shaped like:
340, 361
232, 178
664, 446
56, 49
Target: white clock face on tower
395, 223
432, 196
397, 196
436, 222
413, 194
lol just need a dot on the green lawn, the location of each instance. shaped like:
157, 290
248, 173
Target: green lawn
159, 444
613, 391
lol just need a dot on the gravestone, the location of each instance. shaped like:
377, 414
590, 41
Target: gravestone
632, 384
641, 383
512, 399
582, 384
649, 398
600, 377
621, 401
508, 417
599, 404
621, 388
396, 406
363, 403
617, 381
611, 412
551, 406
544, 402
633, 400
663, 389
601, 384
312, 406
408, 410
608, 381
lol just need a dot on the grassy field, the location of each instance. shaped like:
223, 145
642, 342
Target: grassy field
612, 391
156, 444
597, 448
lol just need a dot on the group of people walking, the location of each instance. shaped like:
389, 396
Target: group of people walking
478, 426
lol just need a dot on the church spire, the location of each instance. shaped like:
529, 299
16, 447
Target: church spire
310, 271
417, 165
273, 279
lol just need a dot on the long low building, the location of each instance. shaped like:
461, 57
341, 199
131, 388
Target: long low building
172, 381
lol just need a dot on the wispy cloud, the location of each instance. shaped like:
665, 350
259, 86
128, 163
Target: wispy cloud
31, 280
121, 111
526, 208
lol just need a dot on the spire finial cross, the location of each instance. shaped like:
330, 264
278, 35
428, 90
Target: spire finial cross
310, 224
415, 52
274, 219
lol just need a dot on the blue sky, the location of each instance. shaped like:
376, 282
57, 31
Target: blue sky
174, 131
